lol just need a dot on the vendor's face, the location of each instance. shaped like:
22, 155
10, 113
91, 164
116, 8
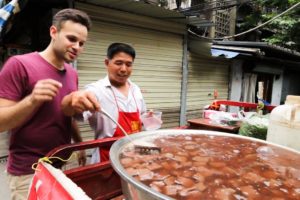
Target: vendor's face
119, 68
68, 42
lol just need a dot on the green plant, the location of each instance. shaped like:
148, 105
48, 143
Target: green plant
284, 30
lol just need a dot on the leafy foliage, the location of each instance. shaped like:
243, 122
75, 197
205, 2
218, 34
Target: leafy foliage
284, 30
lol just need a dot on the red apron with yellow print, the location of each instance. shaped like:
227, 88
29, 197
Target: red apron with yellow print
130, 122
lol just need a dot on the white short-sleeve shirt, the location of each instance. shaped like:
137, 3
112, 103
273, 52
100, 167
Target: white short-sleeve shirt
104, 91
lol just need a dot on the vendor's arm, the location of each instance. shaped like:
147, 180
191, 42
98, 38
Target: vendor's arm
77, 138
75, 132
14, 113
78, 102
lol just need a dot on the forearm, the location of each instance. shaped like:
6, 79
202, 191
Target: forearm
14, 114
76, 132
66, 105
77, 138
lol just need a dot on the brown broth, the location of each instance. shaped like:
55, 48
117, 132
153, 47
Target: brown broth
217, 167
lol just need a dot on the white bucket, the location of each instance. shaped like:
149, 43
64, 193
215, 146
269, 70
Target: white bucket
284, 124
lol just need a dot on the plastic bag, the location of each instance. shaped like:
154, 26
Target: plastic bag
223, 118
255, 125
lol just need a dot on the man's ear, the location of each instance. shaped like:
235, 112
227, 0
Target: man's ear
53, 31
106, 61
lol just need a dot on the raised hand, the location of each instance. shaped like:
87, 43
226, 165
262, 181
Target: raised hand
44, 90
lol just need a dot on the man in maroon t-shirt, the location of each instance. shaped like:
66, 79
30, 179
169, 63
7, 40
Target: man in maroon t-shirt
32, 88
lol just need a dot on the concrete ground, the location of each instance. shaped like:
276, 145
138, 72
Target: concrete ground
4, 190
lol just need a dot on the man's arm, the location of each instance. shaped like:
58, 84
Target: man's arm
77, 138
13, 113
76, 132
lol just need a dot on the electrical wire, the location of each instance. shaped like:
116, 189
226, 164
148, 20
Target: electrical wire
263, 24
250, 30
206, 4
200, 36
210, 6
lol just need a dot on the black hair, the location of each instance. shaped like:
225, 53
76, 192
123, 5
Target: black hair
115, 48
71, 14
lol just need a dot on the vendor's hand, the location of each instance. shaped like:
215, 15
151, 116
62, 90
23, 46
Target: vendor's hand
44, 90
150, 113
84, 101
81, 158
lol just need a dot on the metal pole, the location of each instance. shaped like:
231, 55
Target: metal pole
184, 82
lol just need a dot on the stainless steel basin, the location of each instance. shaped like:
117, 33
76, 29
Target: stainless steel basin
134, 189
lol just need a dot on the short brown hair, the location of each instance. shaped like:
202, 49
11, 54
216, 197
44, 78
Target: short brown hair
71, 14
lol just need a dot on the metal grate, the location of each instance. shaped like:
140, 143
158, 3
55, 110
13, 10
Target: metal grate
222, 23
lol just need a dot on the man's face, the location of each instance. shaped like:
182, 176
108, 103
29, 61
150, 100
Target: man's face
119, 68
68, 42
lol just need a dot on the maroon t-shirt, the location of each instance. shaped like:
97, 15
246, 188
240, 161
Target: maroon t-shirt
47, 127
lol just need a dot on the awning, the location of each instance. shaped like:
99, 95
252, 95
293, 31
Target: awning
9, 9
231, 52
199, 46
257, 50
226, 54
140, 8
262, 48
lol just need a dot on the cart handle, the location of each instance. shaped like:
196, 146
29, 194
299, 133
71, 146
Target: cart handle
246, 105
83, 145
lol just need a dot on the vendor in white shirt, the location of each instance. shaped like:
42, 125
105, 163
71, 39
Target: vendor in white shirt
116, 94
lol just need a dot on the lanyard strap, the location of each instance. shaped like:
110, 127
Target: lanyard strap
112, 89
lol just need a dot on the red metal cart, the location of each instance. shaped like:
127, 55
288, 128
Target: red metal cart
245, 105
99, 181
206, 124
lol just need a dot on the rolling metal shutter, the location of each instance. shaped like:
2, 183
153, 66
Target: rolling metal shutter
4, 140
157, 67
205, 76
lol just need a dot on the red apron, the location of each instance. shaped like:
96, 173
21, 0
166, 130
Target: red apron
131, 123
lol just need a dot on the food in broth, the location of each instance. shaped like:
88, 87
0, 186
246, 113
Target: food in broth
217, 167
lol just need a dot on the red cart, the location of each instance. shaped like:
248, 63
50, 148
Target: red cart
99, 181
206, 124
245, 105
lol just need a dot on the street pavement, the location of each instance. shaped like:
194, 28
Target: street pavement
4, 190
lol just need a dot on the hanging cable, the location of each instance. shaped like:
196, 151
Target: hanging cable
263, 24
212, 6
200, 36
250, 30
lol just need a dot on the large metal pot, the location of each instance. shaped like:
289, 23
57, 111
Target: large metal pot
133, 189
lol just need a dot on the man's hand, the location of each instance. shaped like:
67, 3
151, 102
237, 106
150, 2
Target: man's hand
83, 101
80, 101
81, 158
44, 90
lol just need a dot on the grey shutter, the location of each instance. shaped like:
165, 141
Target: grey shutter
157, 67
205, 75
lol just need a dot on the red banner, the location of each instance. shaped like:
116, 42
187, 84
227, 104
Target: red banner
50, 183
